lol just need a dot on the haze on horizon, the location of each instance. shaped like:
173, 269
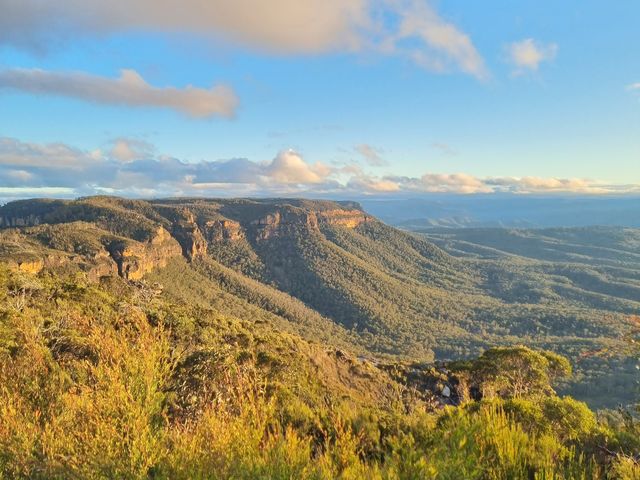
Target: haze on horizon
339, 98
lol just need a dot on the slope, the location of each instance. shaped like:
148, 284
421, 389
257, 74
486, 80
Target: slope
327, 271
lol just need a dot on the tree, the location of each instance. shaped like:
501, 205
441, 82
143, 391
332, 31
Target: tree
517, 371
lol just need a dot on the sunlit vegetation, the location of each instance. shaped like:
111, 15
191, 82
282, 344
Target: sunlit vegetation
114, 380
371, 288
261, 342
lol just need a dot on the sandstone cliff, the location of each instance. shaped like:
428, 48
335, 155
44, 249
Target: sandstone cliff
135, 259
283, 220
108, 236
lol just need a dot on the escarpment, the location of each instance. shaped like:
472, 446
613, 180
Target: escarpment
346, 218
219, 230
108, 236
286, 219
135, 259
190, 238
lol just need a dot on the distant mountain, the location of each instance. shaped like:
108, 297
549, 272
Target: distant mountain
524, 211
331, 272
613, 247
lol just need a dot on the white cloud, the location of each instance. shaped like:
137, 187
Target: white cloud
527, 55
288, 167
129, 149
465, 184
634, 87
276, 26
26, 167
453, 183
129, 89
371, 155
542, 185
444, 45
132, 164
460, 183
17, 154
368, 184
291, 26
23, 192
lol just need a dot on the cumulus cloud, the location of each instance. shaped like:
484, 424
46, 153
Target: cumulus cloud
15, 153
368, 184
132, 165
465, 184
277, 26
129, 89
527, 55
456, 183
542, 185
37, 168
129, 149
10, 193
460, 183
290, 168
371, 155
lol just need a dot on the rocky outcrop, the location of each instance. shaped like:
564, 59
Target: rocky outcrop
189, 227
190, 238
30, 266
135, 259
218, 230
127, 258
34, 265
435, 383
344, 218
282, 221
99, 265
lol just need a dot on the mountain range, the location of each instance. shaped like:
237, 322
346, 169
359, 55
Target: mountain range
505, 210
331, 273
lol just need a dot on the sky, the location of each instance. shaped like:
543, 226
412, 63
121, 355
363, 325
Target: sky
328, 98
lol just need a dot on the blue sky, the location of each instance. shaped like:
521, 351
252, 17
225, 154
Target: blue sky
334, 97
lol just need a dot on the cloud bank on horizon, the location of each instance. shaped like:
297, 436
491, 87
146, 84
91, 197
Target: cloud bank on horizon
131, 167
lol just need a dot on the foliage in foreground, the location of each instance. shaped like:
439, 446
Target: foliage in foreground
92, 385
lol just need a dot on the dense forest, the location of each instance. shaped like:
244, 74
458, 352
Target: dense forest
295, 339
331, 272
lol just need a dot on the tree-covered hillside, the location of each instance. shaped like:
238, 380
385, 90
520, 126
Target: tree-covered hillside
293, 339
120, 379
332, 273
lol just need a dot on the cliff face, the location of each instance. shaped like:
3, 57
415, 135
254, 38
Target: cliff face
282, 221
106, 256
190, 238
218, 230
134, 259
139, 236
345, 218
